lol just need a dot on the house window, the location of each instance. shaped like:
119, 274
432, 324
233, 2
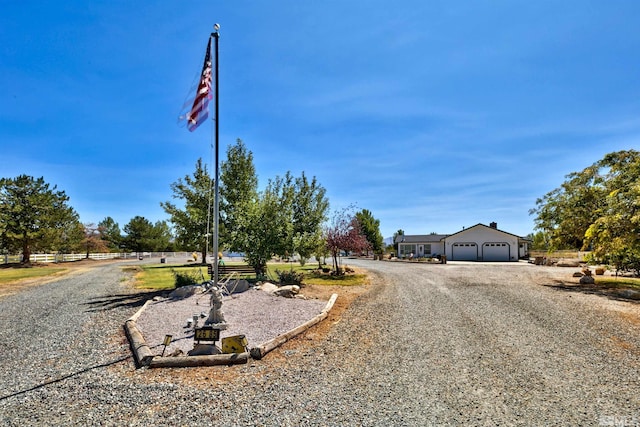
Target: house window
406, 249
427, 249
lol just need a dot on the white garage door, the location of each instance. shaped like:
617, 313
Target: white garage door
498, 251
464, 252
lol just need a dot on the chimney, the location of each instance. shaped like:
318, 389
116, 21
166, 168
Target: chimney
493, 225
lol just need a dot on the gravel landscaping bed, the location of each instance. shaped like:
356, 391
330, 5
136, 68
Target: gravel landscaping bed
454, 344
258, 315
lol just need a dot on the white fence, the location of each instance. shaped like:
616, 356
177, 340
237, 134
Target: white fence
46, 258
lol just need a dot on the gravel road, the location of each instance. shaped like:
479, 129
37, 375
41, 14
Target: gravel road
455, 344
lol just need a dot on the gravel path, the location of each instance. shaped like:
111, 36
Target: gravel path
455, 344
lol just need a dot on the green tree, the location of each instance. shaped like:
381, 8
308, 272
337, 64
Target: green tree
309, 212
68, 238
139, 234
33, 216
614, 236
194, 223
110, 233
370, 228
238, 195
162, 237
540, 241
263, 230
284, 219
566, 213
598, 209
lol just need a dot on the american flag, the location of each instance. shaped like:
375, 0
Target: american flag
199, 111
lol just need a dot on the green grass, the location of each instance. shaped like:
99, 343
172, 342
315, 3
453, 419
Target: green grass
160, 276
618, 282
312, 277
12, 274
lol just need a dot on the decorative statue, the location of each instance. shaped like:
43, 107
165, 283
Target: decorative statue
216, 317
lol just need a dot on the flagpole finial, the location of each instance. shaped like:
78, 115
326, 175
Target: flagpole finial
216, 27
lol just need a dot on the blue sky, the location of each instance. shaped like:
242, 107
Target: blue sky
434, 115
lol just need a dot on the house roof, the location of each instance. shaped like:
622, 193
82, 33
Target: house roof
427, 238
485, 226
419, 238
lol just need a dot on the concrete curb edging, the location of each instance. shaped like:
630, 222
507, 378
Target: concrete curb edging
261, 350
144, 357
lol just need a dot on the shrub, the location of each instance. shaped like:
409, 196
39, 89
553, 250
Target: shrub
290, 277
185, 278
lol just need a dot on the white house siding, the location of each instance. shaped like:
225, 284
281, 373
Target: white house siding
490, 245
436, 248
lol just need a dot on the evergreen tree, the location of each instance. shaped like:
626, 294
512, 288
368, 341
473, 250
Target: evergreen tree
370, 227
34, 216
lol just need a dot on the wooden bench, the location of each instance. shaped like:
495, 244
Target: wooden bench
227, 269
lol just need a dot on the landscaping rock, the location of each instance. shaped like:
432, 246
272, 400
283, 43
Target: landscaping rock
268, 287
630, 294
237, 286
204, 350
288, 291
568, 263
186, 291
587, 280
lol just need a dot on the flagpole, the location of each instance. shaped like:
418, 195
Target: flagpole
216, 36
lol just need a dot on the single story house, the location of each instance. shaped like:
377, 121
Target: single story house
477, 243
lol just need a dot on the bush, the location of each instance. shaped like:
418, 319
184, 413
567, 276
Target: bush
290, 277
185, 278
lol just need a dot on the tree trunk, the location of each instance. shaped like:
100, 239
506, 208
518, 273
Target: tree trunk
26, 251
261, 269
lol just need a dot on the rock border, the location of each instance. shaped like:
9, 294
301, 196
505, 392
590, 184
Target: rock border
144, 357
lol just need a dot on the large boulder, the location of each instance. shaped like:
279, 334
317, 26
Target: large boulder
204, 350
288, 291
629, 294
268, 287
236, 286
186, 291
568, 263
587, 280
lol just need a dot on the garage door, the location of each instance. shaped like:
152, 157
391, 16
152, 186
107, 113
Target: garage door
464, 252
498, 251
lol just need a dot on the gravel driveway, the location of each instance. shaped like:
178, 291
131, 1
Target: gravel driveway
455, 344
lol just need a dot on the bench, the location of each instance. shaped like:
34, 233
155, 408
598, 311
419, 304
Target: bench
227, 269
